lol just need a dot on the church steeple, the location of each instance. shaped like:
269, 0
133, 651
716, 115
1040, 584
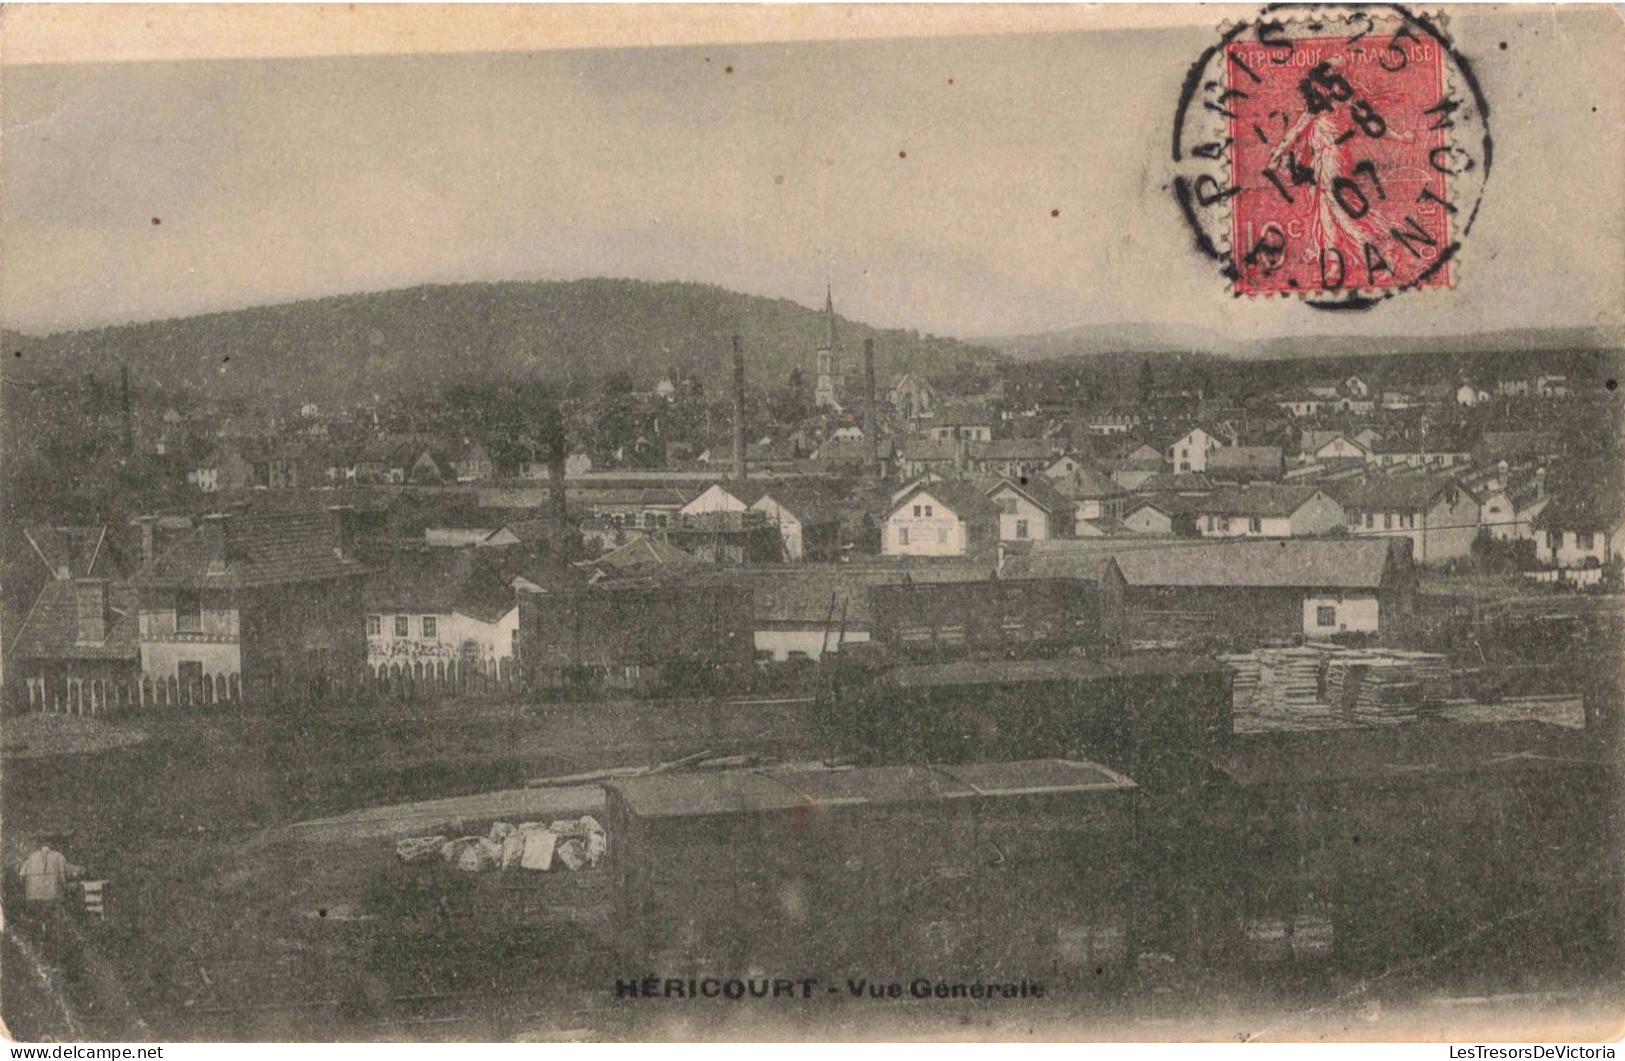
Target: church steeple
824, 389
829, 319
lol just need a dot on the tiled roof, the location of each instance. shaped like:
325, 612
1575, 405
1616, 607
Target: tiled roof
254, 550
51, 630
83, 551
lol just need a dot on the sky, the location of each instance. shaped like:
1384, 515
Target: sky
966, 186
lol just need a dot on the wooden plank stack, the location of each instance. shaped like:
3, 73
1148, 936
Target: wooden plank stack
1325, 684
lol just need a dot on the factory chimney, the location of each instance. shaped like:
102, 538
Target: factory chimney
869, 407
739, 409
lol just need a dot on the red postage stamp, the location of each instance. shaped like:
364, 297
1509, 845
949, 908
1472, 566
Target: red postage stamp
1342, 163
1337, 156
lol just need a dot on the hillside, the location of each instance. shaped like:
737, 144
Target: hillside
1141, 338
425, 338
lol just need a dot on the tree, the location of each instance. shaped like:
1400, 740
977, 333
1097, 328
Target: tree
1147, 382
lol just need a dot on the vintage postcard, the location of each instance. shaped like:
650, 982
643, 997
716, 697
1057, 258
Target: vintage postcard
820, 522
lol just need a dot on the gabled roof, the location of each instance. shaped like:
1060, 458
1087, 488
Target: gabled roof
642, 551
1176, 483
1391, 493
964, 499
1259, 499
254, 550
1037, 490
808, 505
1086, 484
51, 630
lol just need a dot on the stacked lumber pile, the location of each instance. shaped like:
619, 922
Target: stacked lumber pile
1246, 668
1289, 683
1322, 683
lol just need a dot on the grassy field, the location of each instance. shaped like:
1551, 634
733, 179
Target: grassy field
212, 907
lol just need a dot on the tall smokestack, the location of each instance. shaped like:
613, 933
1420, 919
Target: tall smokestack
739, 409
869, 407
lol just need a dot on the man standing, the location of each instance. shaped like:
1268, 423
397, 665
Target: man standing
45, 875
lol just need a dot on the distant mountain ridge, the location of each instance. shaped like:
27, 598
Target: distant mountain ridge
1143, 338
404, 341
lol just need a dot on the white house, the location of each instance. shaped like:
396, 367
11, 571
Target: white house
809, 527
1267, 510
1188, 453
1031, 512
1508, 511
1439, 517
940, 519
423, 633
1577, 534
715, 498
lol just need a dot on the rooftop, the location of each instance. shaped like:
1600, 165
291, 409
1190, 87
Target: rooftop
676, 795
251, 550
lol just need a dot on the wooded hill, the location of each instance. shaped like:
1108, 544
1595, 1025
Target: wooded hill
421, 339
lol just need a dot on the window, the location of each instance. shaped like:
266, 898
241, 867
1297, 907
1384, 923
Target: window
1021, 528
375, 625
1368, 518
1008, 504
430, 626
1255, 525
401, 627
927, 511
1387, 521
1325, 615
902, 535
1585, 540
916, 511
189, 611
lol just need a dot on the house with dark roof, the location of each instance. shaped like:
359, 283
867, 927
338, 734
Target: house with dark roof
1267, 510
1009, 458
809, 523
1243, 593
940, 519
430, 625
1582, 530
1030, 509
1439, 517
77, 650
1093, 495
1161, 514
251, 605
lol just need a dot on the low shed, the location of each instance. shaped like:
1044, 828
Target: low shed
957, 869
